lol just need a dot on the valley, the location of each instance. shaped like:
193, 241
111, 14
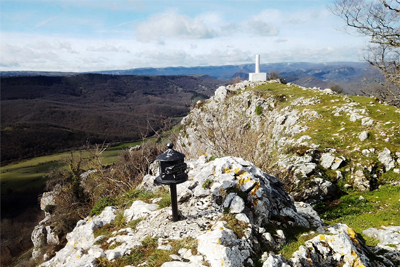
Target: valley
46, 115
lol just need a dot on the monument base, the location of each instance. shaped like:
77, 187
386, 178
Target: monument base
258, 77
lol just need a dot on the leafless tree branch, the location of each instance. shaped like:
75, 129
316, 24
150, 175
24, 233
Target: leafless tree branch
380, 20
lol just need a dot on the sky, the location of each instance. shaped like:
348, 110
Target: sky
94, 35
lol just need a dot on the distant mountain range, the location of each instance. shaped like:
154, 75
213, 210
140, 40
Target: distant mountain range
352, 76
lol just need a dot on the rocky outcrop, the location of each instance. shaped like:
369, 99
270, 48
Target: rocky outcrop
337, 247
294, 136
81, 249
238, 215
235, 212
43, 233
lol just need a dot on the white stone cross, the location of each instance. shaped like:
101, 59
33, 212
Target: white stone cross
257, 76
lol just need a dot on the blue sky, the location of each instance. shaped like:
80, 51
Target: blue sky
92, 35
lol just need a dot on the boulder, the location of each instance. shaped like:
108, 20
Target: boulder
385, 158
327, 160
81, 239
363, 136
222, 248
139, 209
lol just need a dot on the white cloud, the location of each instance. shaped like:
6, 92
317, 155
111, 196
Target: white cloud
281, 40
108, 48
41, 24
262, 28
171, 25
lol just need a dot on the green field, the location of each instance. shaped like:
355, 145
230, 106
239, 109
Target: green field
29, 175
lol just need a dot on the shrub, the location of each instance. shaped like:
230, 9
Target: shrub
274, 75
101, 204
336, 88
49, 208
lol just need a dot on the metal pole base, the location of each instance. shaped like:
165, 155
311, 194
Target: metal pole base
174, 203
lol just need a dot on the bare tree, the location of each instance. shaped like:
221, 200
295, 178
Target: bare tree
380, 20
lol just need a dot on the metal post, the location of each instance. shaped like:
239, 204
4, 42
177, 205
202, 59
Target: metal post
174, 203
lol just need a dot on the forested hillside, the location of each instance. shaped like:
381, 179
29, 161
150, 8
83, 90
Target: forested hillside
42, 114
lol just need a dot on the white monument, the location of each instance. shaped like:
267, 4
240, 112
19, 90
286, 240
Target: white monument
257, 76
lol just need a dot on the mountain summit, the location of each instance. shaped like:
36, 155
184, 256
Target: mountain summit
266, 161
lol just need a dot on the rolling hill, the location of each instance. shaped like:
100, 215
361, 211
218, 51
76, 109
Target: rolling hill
45, 114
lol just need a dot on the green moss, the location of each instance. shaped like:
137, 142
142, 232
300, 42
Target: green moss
119, 220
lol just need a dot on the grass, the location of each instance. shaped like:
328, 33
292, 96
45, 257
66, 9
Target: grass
149, 252
124, 146
295, 242
127, 199
378, 208
339, 132
28, 175
321, 130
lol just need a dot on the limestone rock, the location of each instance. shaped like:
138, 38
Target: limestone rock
340, 248
38, 238
385, 158
337, 163
360, 181
148, 183
82, 239
363, 136
367, 121
139, 209
47, 199
221, 248
237, 205
221, 93
52, 237
388, 235
327, 160
315, 190
202, 219
306, 211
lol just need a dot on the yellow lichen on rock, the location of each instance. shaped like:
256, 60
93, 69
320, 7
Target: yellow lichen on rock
357, 261
255, 189
353, 236
242, 181
227, 170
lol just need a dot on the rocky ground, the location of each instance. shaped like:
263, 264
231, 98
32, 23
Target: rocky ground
242, 217
233, 213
